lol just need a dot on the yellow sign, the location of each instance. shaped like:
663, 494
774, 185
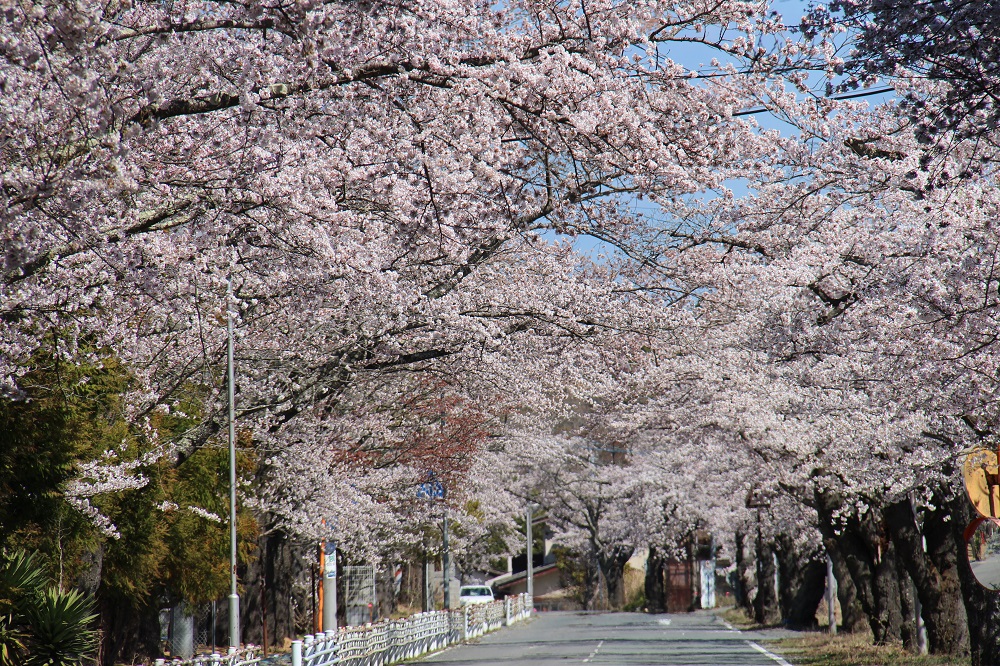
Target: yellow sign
982, 481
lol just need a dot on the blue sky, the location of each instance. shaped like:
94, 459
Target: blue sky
693, 56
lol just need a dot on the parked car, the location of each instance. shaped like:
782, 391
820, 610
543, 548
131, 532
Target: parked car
475, 594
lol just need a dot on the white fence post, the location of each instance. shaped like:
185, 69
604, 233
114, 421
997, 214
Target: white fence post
386, 642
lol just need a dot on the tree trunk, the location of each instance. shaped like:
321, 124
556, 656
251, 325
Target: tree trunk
765, 603
92, 566
592, 583
802, 584
612, 565
982, 605
385, 586
868, 561
745, 580
282, 570
128, 634
885, 589
907, 608
655, 592
934, 572
853, 619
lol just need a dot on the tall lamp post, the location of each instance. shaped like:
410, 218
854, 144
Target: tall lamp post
234, 597
446, 559
530, 554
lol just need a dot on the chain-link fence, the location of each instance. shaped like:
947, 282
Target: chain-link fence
360, 595
187, 629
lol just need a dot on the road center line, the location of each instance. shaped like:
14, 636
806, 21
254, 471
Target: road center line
594, 653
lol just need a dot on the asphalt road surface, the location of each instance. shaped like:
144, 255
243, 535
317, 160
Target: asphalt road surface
620, 639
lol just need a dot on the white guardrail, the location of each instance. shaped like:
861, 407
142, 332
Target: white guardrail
385, 642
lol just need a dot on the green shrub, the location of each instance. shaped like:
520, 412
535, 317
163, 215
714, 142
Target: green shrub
41, 625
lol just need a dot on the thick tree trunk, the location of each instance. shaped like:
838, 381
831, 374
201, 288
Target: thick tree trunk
612, 565
907, 608
593, 593
765, 603
92, 566
130, 628
128, 634
853, 618
885, 588
869, 562
982, 605
276, 584
934, 572
615, 578
745, 580
385, 587
855, 556
655, 592
802, 583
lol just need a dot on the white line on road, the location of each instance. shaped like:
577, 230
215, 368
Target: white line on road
594, 653
755, 646
764, 650
665, 623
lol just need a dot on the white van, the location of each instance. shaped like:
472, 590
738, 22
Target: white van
475, 594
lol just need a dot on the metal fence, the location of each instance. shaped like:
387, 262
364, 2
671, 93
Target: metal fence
386, 642
360, 597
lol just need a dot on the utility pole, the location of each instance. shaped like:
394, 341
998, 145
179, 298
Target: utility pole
531, 567
446, 562
234, 597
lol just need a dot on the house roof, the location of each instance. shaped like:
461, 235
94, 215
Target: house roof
510, 579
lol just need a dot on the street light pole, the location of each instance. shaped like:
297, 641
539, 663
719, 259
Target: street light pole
446, 562
531, 567
234, 597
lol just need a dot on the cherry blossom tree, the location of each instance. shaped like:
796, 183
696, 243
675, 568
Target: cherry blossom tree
953, 45
362, 187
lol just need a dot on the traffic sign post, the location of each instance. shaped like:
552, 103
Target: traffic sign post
329, 586
431, 490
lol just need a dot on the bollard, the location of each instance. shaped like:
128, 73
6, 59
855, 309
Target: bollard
296, 653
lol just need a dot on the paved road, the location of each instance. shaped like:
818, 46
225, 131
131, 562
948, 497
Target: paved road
619, 639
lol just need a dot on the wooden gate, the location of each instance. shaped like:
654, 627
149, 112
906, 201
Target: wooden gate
678, 584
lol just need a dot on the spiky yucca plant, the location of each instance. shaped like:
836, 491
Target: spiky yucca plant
41, 625
60, 629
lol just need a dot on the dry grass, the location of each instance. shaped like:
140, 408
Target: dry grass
818, 649
739, 618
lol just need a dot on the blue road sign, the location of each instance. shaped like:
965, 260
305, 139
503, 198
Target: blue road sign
431, 490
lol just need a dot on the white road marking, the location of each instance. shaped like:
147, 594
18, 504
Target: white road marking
665, 623
765, 651
594, 653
